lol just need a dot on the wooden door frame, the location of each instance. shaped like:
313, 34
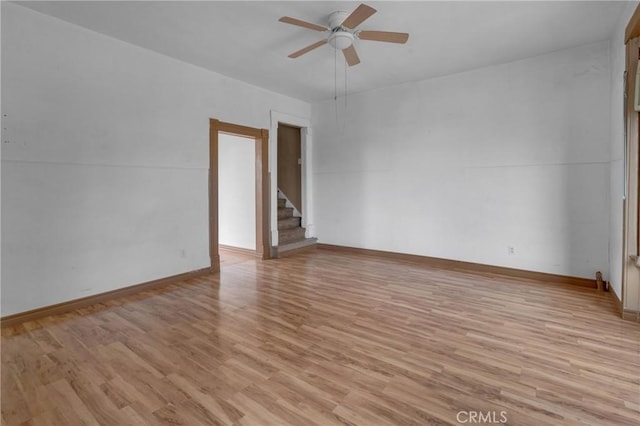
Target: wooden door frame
261, 136
631, 204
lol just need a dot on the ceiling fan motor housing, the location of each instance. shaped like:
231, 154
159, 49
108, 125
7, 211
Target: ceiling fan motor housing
337, 18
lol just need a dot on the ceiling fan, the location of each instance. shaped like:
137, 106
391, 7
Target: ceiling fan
341, 32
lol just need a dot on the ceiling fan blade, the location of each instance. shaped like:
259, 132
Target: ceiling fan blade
358, 16
308, 49
351, 56
294, 21
386, 36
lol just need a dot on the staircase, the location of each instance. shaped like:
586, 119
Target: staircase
289, 229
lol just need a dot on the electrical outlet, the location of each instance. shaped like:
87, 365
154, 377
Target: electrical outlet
511, 250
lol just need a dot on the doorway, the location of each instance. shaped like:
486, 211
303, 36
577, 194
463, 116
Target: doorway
260, 138
290, 164
302, 128
236, 193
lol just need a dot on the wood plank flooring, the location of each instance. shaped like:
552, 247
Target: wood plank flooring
328, 338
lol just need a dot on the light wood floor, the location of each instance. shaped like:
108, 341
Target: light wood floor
326, 338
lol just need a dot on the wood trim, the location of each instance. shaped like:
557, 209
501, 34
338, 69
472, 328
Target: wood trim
616, 299
459, 265
64, 307
633, 27
238, 130
630, 315
264, 192
214, 127
624, 253
261, 137
240, 250
632, 48
631, 204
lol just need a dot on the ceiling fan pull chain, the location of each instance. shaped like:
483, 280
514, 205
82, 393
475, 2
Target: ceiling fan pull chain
335, 75
335, 86
345, 87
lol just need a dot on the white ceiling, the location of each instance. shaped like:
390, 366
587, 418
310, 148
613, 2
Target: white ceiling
244, 40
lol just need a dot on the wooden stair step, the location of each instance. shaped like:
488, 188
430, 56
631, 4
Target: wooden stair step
296, 247
282, 202
285, 212
290, 222
287, 236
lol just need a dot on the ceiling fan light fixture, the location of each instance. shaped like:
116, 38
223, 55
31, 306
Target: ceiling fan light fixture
341, 39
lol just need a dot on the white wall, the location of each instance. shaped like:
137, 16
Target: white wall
463, 166
237, 191
105, 164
